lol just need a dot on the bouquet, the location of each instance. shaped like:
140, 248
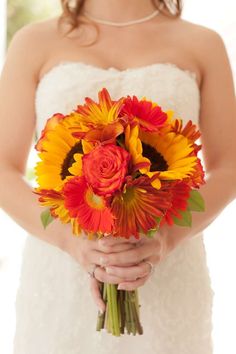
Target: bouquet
123, 168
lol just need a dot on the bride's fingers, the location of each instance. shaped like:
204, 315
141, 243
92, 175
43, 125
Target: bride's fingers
129, 273
96, 257
94, 287
131, 256
115, 247
101, 275
112, 240
93, 257
132, 285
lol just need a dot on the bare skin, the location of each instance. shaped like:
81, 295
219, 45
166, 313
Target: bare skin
37, 48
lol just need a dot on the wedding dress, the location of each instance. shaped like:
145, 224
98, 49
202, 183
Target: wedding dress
55, 312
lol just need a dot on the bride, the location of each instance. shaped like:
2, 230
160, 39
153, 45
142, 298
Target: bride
136, 47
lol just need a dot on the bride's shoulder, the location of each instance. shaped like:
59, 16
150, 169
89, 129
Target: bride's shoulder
32, 43
206, 45
199, 36
36, 34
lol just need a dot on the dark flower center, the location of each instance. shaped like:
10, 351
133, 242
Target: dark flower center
69, 160
158, 163
121, 140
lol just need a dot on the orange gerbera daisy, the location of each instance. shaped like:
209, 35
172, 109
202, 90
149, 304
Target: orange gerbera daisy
138, 207
95, 115
198, 177
90, 210
107, 133
190, 130
55, 201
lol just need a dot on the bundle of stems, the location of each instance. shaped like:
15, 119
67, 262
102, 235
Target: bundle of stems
122, 311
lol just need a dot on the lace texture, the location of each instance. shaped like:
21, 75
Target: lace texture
55, 313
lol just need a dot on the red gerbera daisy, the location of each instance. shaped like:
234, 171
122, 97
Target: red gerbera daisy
138, 208
179, 192
149, 115
89, 209
198, 177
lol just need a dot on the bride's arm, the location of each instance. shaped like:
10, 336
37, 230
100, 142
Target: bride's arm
218, 127
17, 125
17, 121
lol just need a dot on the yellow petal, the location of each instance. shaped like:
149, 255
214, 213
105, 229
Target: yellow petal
188, 161
87, 146
156, 183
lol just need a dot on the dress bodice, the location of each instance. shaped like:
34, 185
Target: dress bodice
67, 84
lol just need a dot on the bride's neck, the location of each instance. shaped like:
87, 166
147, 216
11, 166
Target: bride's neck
119, 10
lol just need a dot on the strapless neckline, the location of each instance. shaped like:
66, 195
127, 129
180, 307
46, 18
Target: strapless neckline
115, 71
69, 82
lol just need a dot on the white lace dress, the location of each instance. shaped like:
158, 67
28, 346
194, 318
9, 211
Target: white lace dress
55, 313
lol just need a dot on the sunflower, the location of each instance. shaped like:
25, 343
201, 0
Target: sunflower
191, 132
138, 208
60, 158
49, 126
88, 209
169, 155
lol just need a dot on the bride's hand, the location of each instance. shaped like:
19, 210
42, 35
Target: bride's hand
130, 264
94, 252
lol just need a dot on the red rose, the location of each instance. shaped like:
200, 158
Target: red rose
105, 168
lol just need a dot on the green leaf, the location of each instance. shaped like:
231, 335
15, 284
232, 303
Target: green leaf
196, 201
46, 218
186, 219
158, 220
151, 233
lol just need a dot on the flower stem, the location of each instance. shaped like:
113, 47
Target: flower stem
127, 314
101, 316
114, 310
122, 311
132, 318
135, 307
110, 314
